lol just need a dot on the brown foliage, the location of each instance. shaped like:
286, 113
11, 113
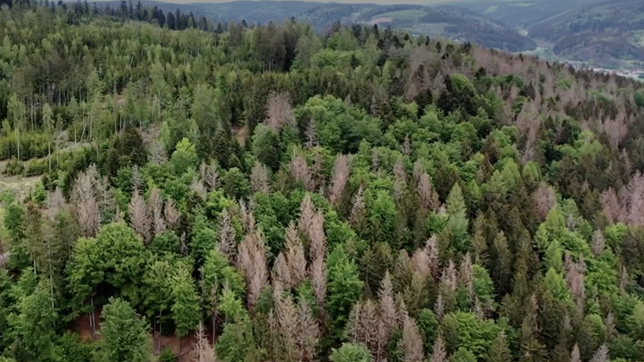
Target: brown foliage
466, 275
358, 212
427, 196
202, 351
388, 315
287, 323
575, 278
279, 111
139, 216
439, 353
601, 355
295, 257
575, 355
300, 172
308, 332
282, 273
209, 176
341, 172
412, 343
544, 200
248, 219
362, 326
171, 214
199, 188
627, 206
259, 178
425, 260
251, 260
86, 207
616, 129
156, 209
137, 178
226, 235
307, 215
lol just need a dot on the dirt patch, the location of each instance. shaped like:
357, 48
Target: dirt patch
378, 21
159, 342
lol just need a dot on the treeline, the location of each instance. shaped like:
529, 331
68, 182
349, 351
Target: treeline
270, 193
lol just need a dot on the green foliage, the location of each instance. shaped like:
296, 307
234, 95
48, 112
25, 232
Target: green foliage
350, 352
492, 199
344, 288
124, 334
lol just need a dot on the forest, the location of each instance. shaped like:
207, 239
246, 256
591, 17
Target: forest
223, 192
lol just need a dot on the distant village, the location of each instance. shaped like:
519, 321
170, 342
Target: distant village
628, 73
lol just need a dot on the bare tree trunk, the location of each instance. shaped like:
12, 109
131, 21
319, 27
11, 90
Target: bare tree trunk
91, 319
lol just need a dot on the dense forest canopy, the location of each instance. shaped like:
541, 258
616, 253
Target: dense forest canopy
224, 192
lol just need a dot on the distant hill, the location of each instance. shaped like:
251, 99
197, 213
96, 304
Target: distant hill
451, 22
606, 31
522, 13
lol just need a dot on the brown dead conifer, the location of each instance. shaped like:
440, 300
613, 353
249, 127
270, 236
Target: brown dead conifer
282, 273
307, 215
412, 343
318, 281
259, 178
300, 172
287, 323
427, 197
156, 209
317, 238
226, 235
251, 259
199, 189
279, 111
209, 176
575, 355
358, 211
439, 353
544, 200
139, 216
88, 216
466, 275
248, 219
611, 207
295, 255
202, 351
171, 214
341, 172
601, 355
363, 325
86, 207
308, 332
388, 316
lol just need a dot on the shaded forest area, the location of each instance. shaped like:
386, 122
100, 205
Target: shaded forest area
278, 194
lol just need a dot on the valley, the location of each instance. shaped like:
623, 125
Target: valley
603, 33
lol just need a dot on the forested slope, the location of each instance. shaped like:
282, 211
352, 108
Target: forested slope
273, 194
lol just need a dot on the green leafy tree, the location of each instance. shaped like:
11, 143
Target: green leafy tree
350, 352
124, 334
186, 310
343, 289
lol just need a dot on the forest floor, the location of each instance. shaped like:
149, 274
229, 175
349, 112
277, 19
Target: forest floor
84, 329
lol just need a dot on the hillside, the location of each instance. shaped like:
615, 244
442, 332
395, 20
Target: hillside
522, 13
194, 192
602, 32
449, 22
